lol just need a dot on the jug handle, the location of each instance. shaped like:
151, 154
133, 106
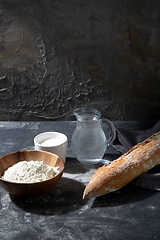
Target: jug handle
113, 131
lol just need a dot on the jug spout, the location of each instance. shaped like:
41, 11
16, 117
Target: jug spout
86, 114
75, 112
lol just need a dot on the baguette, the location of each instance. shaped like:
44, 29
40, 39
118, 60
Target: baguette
139, 159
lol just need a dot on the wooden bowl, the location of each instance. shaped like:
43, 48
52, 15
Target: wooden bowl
30, 189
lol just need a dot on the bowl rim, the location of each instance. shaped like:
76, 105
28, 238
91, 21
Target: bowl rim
34, 150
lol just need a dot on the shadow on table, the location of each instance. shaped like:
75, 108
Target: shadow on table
64, 198
126, 195
72, 166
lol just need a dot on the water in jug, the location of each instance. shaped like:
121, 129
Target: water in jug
89, 142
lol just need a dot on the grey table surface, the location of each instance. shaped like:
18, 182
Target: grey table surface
129, 213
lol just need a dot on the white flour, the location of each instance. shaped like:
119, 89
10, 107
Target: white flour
29, 172
52, 142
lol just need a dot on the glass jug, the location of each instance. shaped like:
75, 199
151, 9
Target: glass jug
89, 141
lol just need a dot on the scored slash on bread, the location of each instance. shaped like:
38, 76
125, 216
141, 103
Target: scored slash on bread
139, 159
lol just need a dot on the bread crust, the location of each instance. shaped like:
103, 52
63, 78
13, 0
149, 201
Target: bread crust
130, 165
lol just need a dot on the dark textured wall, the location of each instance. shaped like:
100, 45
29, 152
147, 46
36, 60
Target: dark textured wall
59, 55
